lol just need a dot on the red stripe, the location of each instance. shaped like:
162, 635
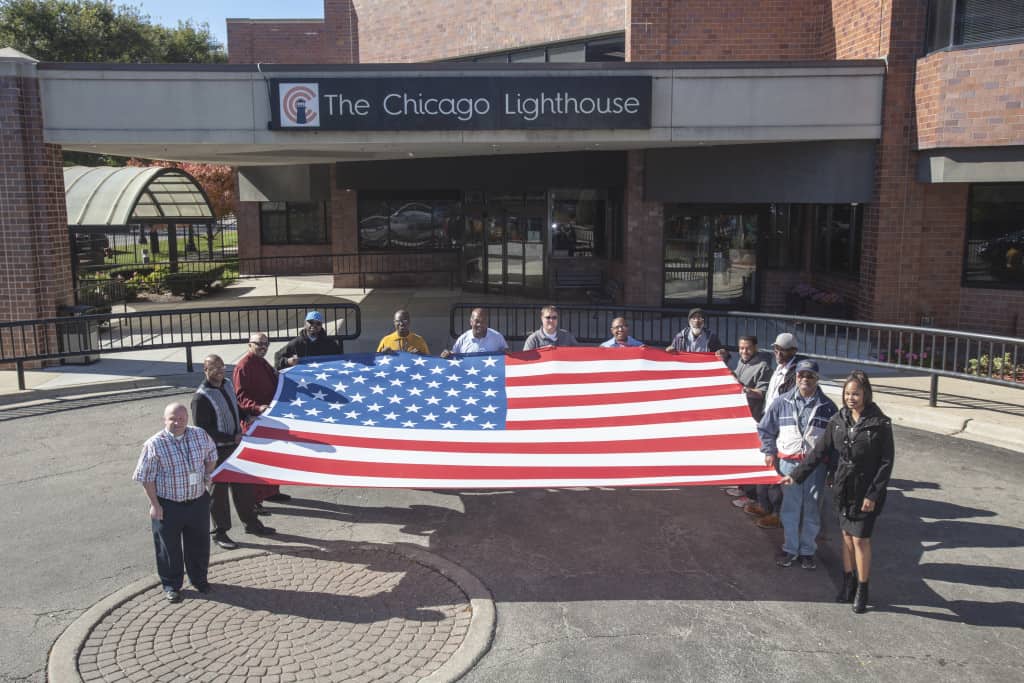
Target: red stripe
633, 420
625, 376
621, 397
581, 353
717, 442
354, 468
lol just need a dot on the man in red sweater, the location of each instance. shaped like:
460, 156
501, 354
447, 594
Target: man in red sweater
255, 383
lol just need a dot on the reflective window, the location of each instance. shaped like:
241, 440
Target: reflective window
837, 238
604, 49
995, 236
973, 22
293, 223
578, 224
406, 221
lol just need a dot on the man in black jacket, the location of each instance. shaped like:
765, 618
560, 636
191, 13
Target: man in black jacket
215, 410
311, 341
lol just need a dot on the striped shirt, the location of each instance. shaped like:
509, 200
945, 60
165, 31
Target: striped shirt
168, 461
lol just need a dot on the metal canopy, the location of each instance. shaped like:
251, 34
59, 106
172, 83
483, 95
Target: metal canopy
106, 196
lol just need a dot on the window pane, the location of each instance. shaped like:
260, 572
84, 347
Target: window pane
783, 236
981, 21
578, 224
837, 234
607, 50
306, 223
373, 224
273, 223
995, 235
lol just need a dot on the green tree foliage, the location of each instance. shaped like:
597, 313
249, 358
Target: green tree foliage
96, 31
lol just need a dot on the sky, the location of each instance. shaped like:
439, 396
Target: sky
214, 12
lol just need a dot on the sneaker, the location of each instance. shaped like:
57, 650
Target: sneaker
734, 491
204, 588
755, 510
742, 501
768, 522
786, 560
221, 539
172, 596
807, 562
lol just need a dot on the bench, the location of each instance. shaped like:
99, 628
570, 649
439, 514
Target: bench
609, 293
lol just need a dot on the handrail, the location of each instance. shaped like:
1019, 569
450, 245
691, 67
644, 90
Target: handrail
72, 336
937, 352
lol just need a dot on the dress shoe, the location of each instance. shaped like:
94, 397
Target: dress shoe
279, 498
755, 510
172, 596
204, 588
768, 522
221, 539
261, 530
261, 511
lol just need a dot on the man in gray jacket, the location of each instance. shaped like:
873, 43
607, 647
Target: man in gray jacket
549, 333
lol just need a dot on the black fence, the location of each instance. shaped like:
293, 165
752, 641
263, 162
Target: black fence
88, 336
936, 352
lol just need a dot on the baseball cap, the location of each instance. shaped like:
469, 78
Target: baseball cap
314, 315
785, 341
807, 365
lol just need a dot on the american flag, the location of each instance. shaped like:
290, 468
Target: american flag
557, 417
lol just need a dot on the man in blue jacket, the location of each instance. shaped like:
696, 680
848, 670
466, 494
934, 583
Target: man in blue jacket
791, 426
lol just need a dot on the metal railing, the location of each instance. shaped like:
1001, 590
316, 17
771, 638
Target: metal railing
91, 335
367, 267
936, 352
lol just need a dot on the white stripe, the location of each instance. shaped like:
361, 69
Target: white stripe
482, 437
733, 458
583, 367
624, 409
615, 388
267, 472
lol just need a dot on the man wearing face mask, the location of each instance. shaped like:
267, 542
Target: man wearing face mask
215, 410
698, 339
311, 341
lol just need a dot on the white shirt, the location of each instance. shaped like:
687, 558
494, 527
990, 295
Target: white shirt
492, 342
776, 381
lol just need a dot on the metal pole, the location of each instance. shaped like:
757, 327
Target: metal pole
933, 392
188, 358
21, 375
275, 285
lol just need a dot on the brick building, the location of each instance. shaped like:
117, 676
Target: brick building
872, 151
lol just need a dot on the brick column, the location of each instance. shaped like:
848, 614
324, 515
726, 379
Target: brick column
644, 260
35, 252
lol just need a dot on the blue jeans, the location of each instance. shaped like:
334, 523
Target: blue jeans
801, 514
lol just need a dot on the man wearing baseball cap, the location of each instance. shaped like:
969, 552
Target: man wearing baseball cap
312, 340
698, 339
788, 431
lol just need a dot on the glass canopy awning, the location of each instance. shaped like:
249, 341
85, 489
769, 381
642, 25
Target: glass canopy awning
106, 196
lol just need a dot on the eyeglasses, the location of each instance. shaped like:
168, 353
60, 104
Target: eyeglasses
806, 375
551, 317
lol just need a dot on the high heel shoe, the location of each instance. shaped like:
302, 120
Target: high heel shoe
845, 593
860, 600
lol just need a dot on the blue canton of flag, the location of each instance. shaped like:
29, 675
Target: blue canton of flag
400, 390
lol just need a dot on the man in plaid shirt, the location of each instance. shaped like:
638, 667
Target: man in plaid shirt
174, 469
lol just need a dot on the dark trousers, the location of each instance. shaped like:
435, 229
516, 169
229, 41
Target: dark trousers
769, 497
242, 494
182, 540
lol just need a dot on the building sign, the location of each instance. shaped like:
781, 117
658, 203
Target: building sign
471, 103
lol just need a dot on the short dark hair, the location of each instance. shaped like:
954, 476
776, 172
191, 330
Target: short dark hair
750, 338
861, 378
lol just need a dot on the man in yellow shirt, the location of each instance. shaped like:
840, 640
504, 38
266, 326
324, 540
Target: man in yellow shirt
403, 338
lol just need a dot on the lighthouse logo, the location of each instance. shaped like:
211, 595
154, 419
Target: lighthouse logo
300, 105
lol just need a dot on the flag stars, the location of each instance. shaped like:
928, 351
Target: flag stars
352, 414
453, 378
397, 382
490, 378
369, 423
433, 400
380, 374
471, 385
437, 370
412, 409
330, 418
290, 416
448, 425
401, 368
384, 360
430, 417
420, 361
359, 379
322, 376
451, 409
470, 400
490, 393
357, 398
452, 392
335, 406
487, 425
433, 384
302, 382
374, 407
417, 377
319, 395
469, 417
472, 371
377, 389
340, 386
489, 409
394, 399
391, 416
415, 391
409, 423
313, 411
490, 362
298, 402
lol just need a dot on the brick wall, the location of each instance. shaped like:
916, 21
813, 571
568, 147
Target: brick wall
642, 275
331, 40
418, 31
856, 29
34, 245
971, 98
713, 30
996, 311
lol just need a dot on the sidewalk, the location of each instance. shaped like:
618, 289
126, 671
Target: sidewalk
974, 411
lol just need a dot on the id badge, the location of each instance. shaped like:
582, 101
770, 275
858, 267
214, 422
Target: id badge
193, 479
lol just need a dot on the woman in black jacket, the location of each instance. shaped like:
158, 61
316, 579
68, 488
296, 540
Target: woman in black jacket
857, 448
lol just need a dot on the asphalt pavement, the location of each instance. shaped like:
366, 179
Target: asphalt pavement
526, 585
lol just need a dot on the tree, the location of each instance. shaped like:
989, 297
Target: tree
97, 31
216, 180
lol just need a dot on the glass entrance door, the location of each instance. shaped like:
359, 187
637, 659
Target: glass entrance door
710, 255
504, 247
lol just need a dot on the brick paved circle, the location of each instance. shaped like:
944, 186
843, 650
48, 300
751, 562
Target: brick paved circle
362, 613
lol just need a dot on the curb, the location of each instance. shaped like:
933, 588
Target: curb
62, 663
17, 398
